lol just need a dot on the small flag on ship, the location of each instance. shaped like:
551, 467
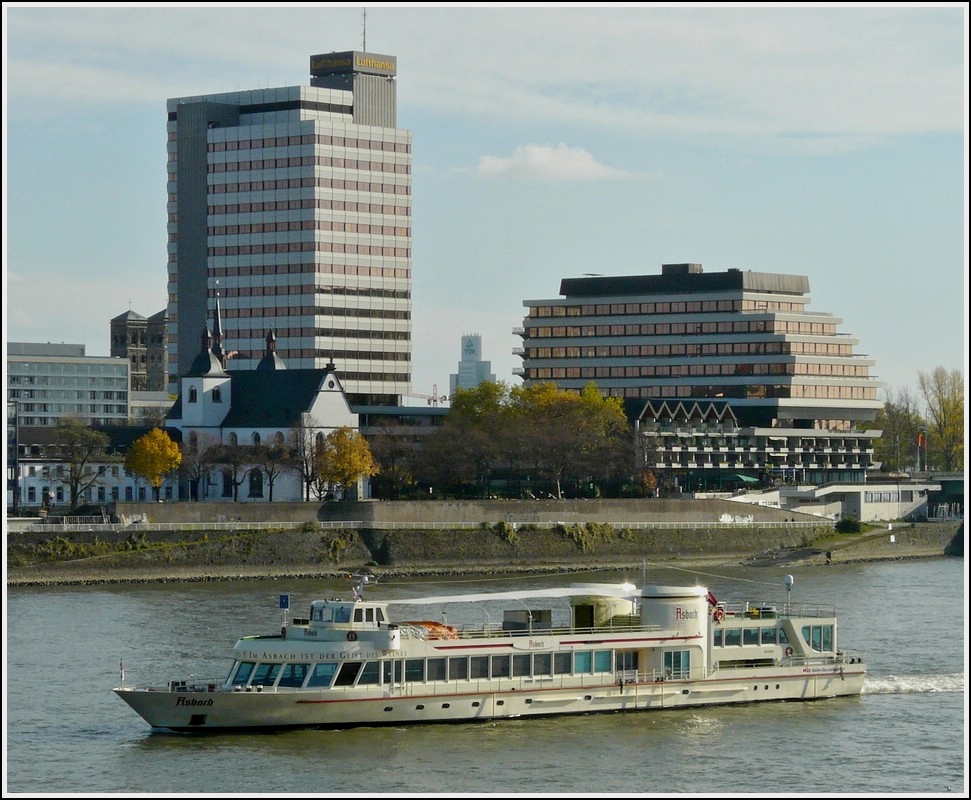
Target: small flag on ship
121, 666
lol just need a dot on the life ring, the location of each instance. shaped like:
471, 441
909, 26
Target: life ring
788, 652
719, 614
351, 636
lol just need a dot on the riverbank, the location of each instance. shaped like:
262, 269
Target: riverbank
297, 556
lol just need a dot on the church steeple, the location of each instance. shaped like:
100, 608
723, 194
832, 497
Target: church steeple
270, 360
217, 335
210, 360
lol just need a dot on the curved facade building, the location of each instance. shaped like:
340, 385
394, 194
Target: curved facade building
729, 379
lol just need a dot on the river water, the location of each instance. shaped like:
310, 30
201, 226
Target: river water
66, 732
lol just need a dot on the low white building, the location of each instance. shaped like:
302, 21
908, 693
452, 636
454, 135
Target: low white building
873, 501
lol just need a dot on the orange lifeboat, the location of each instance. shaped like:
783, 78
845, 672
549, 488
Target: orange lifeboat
436, 630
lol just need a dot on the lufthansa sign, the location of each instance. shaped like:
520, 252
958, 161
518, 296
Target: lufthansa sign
353, 61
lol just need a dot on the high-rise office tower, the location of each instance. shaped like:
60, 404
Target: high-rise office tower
473, 370
293, 206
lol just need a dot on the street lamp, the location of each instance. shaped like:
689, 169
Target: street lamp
922, 442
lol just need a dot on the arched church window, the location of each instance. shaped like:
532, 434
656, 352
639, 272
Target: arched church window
255, 483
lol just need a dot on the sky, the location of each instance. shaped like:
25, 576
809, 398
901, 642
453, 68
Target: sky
549, 141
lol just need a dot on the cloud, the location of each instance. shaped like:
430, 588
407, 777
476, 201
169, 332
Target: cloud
538, 162
826, 79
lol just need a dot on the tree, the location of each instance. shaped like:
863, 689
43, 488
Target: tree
274, 459
493, 435
83, 453
899, 420
197, 461
394, 445
583, 437
943, 394
154, 456
234, 460
305, 442
346, 458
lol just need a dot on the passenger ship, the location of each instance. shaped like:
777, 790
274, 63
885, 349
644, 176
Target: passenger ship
571, 650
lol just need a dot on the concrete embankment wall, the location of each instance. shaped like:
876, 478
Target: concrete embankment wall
346, 547
476, 540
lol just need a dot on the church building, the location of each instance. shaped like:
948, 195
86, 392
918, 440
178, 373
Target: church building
237, 425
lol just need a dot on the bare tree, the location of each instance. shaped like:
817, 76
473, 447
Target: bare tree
83, 453
899, 420
235, 460
197, 462
275, 459
305, 442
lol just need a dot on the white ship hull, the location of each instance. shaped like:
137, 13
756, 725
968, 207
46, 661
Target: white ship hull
274, 709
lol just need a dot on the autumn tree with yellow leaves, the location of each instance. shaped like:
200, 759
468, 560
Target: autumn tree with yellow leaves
152, 457
343, 460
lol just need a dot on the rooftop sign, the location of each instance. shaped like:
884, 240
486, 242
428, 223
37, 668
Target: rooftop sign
353, 61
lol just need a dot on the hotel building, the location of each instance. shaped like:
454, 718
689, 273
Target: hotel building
47, 382
293, 206
727, 377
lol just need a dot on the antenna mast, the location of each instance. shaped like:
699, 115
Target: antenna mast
364, 30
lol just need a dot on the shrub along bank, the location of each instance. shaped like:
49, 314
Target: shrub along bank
119, 556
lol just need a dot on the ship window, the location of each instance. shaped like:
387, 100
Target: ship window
819, 637
323, 674
359, 615
370, 673
750, 636
294, 674
386, 671
435, 669
479, 667
602, 661
563, 663
342, 614
677, 664
733, 637
783, 636
627, 661
521, 665
500, 666
768, 636
542, 664
379, 614
243, 671
369, 615
458, 668
347, 673
582, 663
265, 674
719, 638
415, 669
